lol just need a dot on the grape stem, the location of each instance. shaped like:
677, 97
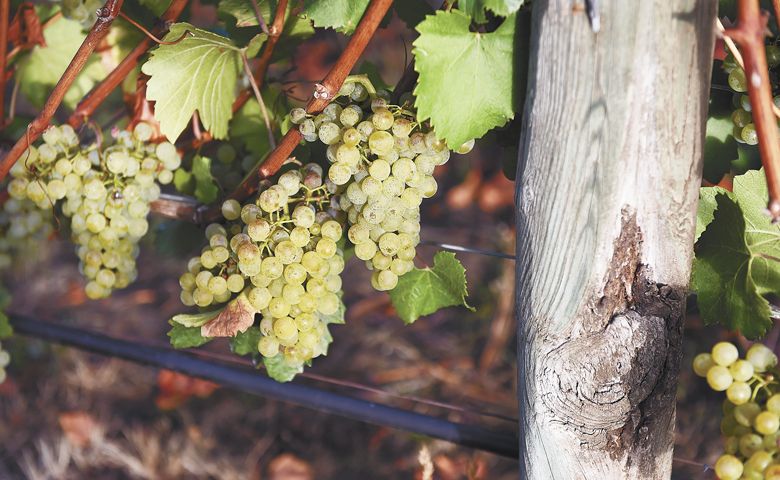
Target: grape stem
105, 18
328, 88
749, 34
98, 94
5, 8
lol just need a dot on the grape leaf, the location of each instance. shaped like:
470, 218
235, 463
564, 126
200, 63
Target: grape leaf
237, 316
738, 259
280, 370
340, 15
476, 8
706, 211
186, 337
5, 326
41, 69
245, 343
206, 190
466, 78
426, 290
244, 12
248, 126
195, 319
197, 73
720, 148
184, 181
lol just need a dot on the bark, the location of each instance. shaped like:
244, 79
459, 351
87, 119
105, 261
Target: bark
608, 177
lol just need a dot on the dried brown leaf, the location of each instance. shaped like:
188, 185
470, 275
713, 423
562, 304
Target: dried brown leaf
79, 428
236, 317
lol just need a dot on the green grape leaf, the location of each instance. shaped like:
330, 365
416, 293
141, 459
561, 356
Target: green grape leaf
466, 78
156, 6
245, 343
5, 326
186, 337
248, 125
707, 205
281, 370
426, 290
254, 45
197, 73
206, 190
41, 69
720, 148
738, 259
244, 12
195, 319
184, 181
340, 15
476, 8
412, 12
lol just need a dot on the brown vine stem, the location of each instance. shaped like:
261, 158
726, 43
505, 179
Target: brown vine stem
749, 34
5, 11
98, 94
106, 16
323, 94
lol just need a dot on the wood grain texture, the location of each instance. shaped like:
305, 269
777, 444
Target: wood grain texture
608, 177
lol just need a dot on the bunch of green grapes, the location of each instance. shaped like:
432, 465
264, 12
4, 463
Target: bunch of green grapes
82, 11
751, 410
282, 251
106, 192
744, 128
22, 226
383, 161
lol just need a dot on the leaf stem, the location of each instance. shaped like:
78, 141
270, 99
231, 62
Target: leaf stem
749, 34
98, 94
106, 17
260, 19
259, 97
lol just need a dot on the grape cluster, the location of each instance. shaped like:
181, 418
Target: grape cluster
22, 226
744, 128
751, 422
282, 251
383, 160
105, 192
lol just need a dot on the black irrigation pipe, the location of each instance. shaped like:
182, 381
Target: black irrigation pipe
499, 442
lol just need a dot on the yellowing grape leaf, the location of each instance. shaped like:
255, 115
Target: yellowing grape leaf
197, 73
466, 78
738, 259
426, 290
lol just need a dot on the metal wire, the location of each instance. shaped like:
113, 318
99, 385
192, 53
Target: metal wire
459, 248
504, 443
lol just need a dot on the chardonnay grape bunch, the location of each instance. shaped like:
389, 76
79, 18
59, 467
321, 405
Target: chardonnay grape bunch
105, 191
751, 410
742, 117
383, 160
282, 252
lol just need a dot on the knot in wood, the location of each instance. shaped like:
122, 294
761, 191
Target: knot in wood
593, 384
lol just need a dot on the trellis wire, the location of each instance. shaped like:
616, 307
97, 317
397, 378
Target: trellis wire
502, 443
